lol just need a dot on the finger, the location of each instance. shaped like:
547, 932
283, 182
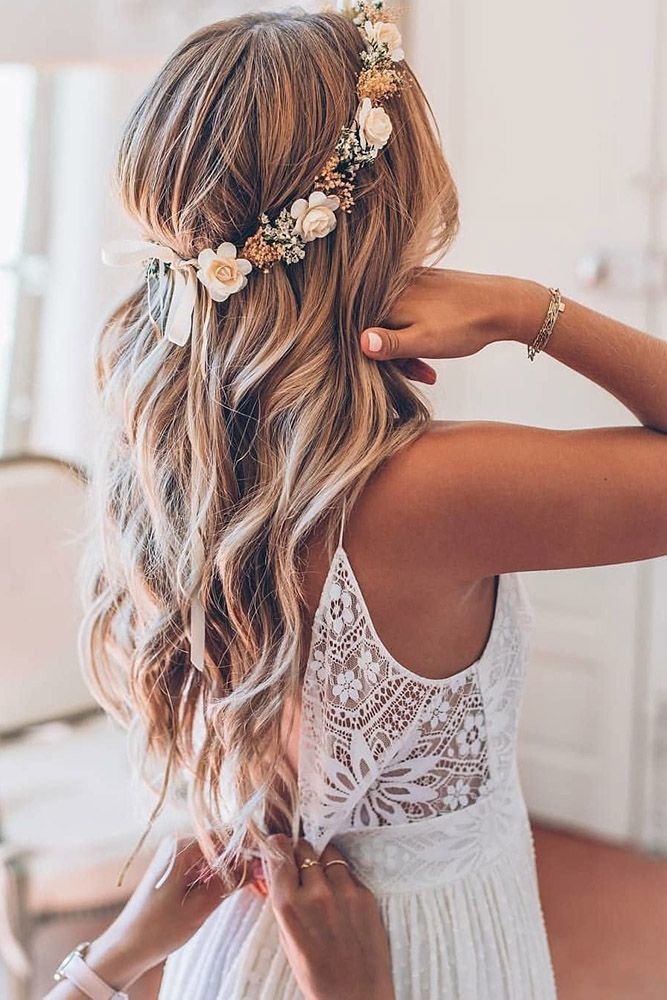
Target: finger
417, 370
304, 854
282, 874
381, 344
255, 878
336, 866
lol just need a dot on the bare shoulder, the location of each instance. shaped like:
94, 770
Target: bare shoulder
421, 503
485, 497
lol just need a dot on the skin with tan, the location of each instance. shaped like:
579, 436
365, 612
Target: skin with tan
329, 925
469, 500
156, 921
463, 503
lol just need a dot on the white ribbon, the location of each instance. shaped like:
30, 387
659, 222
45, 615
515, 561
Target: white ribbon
178, 326
134, 253
197, 613
197, 561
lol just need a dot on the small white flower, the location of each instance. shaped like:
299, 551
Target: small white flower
369, 666
469, 739
374, 125
319, 665
315, 218
221, 272
386, 33
340, 611
437, 711
457, 682
347, 687
458, 794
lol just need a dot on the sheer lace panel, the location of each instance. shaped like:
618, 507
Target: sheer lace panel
379, 744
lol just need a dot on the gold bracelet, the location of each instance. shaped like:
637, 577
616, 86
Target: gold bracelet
556, 306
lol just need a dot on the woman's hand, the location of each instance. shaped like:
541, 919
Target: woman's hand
174, 898
330, 925
452, 314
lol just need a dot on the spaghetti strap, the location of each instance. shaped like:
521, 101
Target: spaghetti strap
342, 525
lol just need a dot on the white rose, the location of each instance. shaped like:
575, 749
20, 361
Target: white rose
315, 218
386, 33
374, 125
221, 272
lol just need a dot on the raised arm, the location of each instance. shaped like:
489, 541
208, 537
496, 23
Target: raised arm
503, 497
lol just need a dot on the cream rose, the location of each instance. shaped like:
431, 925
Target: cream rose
374, 125
222, 272
386, 33
316, 217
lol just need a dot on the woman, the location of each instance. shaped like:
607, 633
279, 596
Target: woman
306, 598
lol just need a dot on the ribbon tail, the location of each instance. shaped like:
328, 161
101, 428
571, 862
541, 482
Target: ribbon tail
128, 253
197, 613
148, 297
162, 289
170, 865
182, 307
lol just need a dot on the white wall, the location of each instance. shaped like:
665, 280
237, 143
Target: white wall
554, 120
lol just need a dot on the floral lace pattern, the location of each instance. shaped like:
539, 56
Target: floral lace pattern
457, 889
380, 745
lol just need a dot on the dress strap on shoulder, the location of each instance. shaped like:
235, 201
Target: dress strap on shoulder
342, 524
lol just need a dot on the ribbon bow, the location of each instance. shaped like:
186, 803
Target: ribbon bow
177, 329
133, 253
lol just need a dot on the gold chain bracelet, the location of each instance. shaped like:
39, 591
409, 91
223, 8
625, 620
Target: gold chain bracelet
556, 306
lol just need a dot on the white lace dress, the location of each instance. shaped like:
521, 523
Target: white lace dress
415, 780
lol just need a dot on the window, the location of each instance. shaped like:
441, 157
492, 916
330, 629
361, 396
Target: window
17, 99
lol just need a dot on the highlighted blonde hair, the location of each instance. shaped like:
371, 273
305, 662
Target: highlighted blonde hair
269, 417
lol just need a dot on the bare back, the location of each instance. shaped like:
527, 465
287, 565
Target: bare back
431, 619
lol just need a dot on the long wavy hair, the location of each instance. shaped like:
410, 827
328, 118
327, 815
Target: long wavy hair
253, 434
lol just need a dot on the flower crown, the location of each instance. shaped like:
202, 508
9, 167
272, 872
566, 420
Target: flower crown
224, 271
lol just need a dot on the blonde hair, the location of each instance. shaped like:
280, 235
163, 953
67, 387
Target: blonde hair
256, 431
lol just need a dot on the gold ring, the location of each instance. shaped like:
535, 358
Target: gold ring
339, 861
309, 863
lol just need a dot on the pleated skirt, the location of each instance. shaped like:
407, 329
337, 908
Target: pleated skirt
478, 937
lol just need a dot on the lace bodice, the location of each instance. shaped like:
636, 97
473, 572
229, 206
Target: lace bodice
415, 781
384, 747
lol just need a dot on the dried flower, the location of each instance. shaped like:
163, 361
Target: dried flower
261, 254
378, 84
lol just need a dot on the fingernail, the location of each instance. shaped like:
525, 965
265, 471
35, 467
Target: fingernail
374, 341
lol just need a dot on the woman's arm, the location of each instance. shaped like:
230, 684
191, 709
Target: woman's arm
160, 916
628, 363
502, 497
330, 925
